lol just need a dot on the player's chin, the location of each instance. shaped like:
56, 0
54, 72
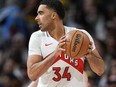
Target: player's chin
40, 27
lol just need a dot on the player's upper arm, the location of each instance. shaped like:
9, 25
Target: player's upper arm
33, 59
34, 52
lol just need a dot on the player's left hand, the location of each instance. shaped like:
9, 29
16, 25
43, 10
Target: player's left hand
89, 51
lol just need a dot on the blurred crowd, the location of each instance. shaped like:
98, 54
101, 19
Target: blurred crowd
17, 23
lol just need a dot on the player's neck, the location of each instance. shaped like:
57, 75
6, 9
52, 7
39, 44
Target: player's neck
58, 31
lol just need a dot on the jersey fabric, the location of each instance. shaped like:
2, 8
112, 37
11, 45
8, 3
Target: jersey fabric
65, 71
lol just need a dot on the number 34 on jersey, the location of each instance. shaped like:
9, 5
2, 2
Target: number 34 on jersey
64, 73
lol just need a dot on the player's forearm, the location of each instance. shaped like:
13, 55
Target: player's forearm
96, 63
40, 68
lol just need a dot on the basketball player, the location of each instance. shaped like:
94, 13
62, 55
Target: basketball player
47, 63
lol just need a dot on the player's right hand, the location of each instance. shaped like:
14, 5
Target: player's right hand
60, 45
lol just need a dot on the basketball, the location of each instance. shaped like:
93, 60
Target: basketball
77, 43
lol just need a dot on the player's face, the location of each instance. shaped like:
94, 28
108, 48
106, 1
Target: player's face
44, 19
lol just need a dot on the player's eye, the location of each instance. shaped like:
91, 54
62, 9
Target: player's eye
40, 13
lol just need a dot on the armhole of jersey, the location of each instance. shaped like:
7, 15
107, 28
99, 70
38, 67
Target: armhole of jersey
34, 44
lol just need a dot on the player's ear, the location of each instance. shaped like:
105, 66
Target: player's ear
54, 15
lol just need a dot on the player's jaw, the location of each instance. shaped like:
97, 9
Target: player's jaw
40, 25
46, 25
43, 27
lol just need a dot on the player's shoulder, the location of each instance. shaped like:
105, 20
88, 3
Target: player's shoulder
38, 33
69, 28
74, 28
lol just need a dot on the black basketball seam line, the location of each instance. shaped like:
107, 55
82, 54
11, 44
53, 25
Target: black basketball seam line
65, 48
71, 42
81, 44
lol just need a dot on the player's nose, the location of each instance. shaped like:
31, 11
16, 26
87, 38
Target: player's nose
36, 18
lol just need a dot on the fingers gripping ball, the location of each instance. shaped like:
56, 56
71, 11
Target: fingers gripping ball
77, 44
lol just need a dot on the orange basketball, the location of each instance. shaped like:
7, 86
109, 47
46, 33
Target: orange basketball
77, 43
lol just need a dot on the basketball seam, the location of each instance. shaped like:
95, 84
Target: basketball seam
81, 44
71, 43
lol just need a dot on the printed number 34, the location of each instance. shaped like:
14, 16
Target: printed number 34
66, 74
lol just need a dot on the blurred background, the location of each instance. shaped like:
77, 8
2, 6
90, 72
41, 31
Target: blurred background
17, 23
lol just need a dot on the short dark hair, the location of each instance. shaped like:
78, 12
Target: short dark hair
55, 5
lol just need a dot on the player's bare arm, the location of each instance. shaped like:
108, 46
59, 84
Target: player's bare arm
95, 61
36, 66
